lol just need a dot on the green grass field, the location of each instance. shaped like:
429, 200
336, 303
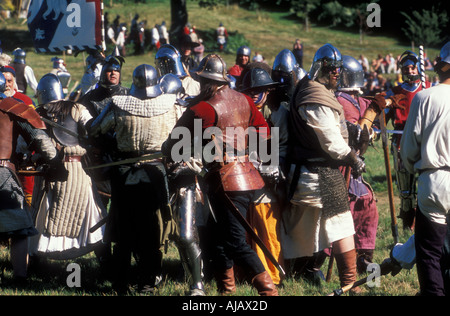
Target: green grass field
265, 32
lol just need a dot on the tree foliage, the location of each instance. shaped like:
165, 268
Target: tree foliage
425, 27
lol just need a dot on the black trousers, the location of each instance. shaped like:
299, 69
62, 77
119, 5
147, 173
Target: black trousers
134, 227
429, 242
228, 244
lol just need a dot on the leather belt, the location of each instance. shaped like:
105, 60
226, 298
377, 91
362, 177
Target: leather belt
230, 159
72, 158
7, 164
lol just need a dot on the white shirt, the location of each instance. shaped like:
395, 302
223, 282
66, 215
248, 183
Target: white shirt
30, 78
425, 148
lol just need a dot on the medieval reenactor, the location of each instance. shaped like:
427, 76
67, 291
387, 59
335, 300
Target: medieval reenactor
140, 212
424, 148
169, 60
288, 73
59, 69
410, 68
18, 118
361, 196
264, 214
231, 178
65, 210
24, 73
319, 216
95, 100
243, 54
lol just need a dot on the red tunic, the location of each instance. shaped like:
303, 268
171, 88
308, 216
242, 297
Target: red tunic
402, 115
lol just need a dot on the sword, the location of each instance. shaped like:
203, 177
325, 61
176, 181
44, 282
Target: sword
146, 157
56, 125
254, 236
389, 131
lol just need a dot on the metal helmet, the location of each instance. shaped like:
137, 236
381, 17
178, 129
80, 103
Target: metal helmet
352, 75
244, 50
49, 89
258, 80
299, 72
58, 63
284, 62
168, 60
171, 84
212, 67
2, 86
325, 58
19, 56
409, 58
111, 63
443, 59
285, 68
444, 54
145, 82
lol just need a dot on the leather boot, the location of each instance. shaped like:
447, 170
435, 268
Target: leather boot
346, 265
364, 258
264, 285
312, 272
225, 281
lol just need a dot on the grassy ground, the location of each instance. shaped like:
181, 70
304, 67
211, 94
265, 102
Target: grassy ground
268, 33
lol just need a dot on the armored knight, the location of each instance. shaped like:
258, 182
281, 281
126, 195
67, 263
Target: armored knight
288, 73
243, 54
109, 85
64, 211
168, 60
264, 214
59, 69
24, 73
17, 118
140, 217
231, 177
406, 182
319, 215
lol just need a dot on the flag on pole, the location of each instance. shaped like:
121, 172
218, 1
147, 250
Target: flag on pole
61, 25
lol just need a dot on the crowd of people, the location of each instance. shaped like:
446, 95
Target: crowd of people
377, 72
102, 170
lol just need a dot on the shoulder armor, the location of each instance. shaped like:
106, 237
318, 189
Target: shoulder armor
22, 110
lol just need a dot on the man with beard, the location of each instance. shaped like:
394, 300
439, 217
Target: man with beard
17, 118
11, 86
319, 216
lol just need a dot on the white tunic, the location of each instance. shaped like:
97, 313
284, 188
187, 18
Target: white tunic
306, 230
425, 148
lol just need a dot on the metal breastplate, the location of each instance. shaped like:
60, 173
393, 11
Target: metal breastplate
61, 136
233, 111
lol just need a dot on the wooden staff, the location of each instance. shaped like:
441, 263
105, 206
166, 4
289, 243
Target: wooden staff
387, 163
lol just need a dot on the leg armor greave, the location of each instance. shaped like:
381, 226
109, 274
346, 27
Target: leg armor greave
406, 182
187, 240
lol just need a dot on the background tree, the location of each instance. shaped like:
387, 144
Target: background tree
425, 27
179, 18
303, 9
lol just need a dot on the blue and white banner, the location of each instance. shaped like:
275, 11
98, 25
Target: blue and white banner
59, 25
